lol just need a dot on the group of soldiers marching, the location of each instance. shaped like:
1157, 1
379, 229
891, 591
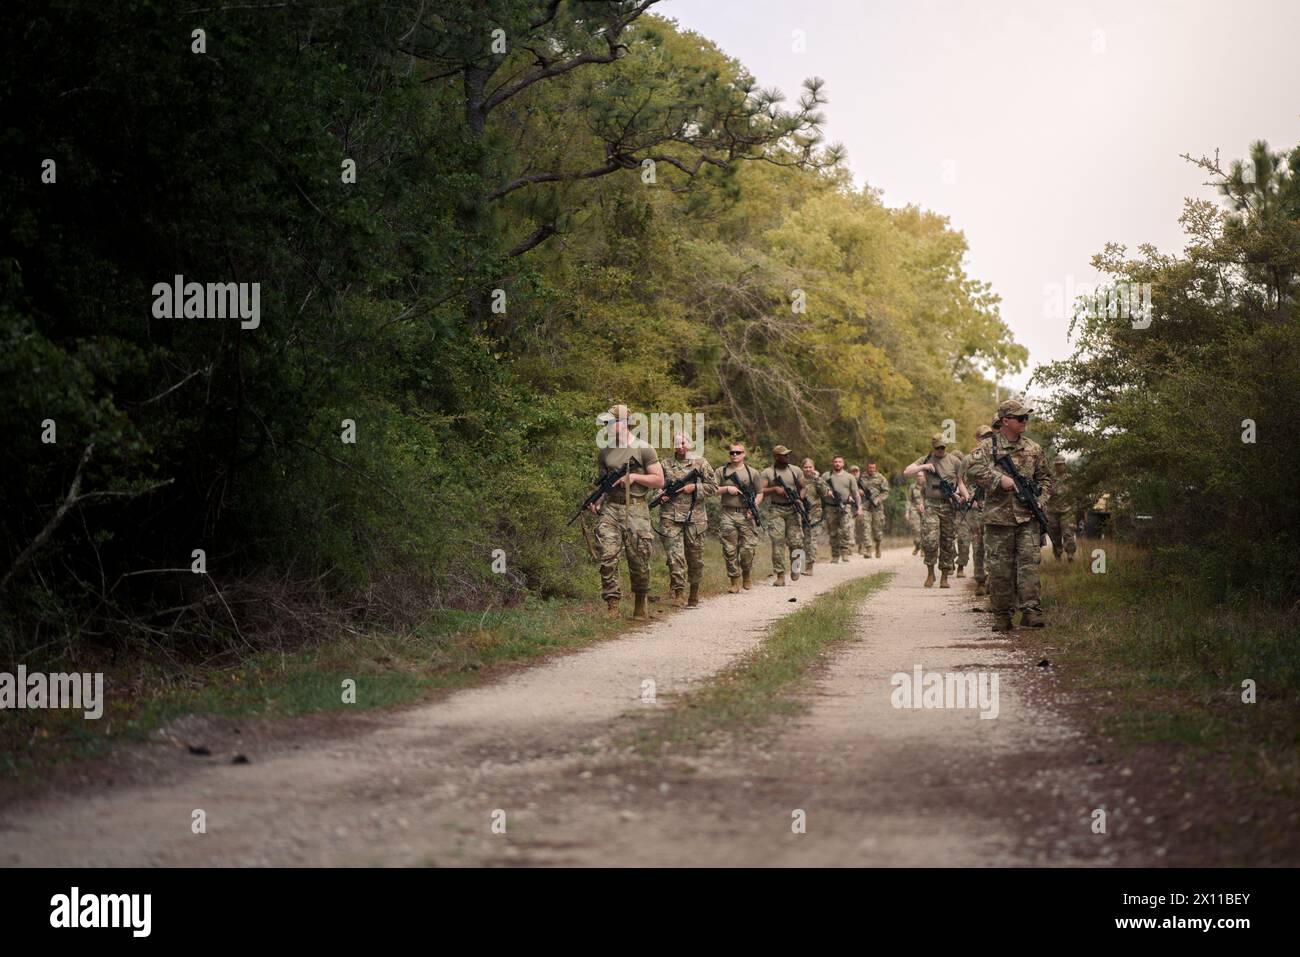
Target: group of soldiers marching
960, 503
965, 504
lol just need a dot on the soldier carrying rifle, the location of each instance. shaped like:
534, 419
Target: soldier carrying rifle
1012, 469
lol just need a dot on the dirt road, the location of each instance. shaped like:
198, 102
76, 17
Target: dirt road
873, 784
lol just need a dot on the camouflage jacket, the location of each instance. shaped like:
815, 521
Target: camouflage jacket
814, 490
914, 497
1059, 500
874, 487
679, 506
1000, 505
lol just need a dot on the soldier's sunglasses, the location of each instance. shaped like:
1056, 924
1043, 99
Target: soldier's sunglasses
736, 452
1019, 418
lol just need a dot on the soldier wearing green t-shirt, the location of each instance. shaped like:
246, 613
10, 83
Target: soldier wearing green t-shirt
737, 526
938, 525
624, 522
840, 503
683, 520
784, 525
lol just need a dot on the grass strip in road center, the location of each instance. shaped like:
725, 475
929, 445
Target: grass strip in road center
759, 687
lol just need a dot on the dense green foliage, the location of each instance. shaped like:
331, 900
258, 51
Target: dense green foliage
1190, 419
662, 231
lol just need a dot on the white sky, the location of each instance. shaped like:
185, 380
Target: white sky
1041, 129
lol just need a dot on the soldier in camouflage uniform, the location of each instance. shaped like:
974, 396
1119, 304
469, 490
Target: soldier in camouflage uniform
938, 525
916, 510
1011, 533
624, 522
739, 530
874, 488
784, 523
860, 545
841, 497
962, 524
814, 492
976, 519
1060, 511
683, 520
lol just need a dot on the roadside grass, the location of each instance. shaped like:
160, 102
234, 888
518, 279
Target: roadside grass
757, 689
452, 649
1175, 662
1164, 669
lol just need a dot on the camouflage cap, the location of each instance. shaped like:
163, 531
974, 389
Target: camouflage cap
780, 450
1013, 407
983, 431
937, 441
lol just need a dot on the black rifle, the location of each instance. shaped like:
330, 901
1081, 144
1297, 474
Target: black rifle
794, 500
747, 495
949, 491
976, 496
604, 488
946, 488
1025, 491
670, 489
872, 504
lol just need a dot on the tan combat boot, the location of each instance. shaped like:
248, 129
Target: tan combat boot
780, 580
640, 612
943, 580
929, 575
675, 599
1002, 623
961, 572
735, 586
981, 588
794, 575
1033, 619
808, 571
745, 581
844, 559
877, 549
693, 600
611, 607
915, 548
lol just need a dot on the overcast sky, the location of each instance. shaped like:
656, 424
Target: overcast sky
1041, 129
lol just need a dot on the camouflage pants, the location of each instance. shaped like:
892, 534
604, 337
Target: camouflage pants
785, 528
963, 539
839, 524
939, 535
624, 528
739, 540
875, 522
914, 525
1060, 525
810, 545
860, 530
977, 544
1013, 554
684, 544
